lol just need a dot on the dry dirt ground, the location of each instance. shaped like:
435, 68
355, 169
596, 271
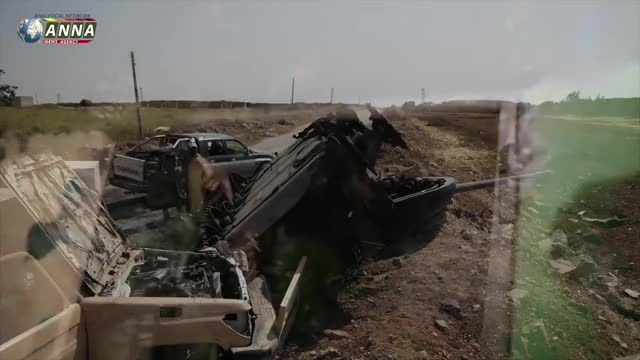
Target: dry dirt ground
394, 306
394, 303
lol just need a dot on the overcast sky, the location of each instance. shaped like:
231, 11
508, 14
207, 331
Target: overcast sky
378, 51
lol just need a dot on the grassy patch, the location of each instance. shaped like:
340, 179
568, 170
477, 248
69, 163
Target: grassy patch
551, 321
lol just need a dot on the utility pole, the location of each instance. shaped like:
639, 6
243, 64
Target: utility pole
135, 90
423, 95
58, 95
358, 99
293, 88
37, 99
141, 98
331, 101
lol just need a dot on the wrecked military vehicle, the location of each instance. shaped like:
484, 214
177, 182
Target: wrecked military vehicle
315, 208
323, 198
333, 163
133, 300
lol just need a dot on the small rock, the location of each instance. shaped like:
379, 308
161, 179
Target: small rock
367, 289
422, 355
441, 325
371, 301
624, 306
621, 343
584, 269
600, 298
466, 235
545, 244
476, 307
517, 294
397, 262
285, 122
593, 238
560, 237
328, 353
562, 266
560, 250
368, 342
336, 334
606, 281
452, 308
633, 294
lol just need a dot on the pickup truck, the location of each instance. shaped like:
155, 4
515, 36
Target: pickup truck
73, 287
156, 165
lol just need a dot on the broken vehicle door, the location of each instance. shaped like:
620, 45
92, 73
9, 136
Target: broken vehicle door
234, 157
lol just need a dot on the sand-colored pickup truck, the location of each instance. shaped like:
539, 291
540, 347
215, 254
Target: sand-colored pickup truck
76, 288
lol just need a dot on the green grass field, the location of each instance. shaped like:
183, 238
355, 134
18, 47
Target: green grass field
590, 157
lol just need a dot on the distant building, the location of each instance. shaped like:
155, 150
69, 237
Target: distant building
22, 101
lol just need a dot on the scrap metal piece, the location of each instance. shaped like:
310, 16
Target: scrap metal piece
337, 147
70, 216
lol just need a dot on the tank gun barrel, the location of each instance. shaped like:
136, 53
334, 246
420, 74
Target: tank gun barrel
475, 185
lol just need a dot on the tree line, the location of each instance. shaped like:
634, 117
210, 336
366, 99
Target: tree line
574, 104
7, 92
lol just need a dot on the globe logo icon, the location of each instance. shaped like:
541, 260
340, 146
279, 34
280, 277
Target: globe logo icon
30, 30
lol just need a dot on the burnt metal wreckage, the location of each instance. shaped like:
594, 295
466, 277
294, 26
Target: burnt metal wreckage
313, 210
333, 158
323, 198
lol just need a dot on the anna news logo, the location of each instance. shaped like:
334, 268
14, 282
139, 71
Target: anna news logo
57, 30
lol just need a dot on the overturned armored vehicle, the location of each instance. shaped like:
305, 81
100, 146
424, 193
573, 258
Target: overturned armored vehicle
323, 198
329, 173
